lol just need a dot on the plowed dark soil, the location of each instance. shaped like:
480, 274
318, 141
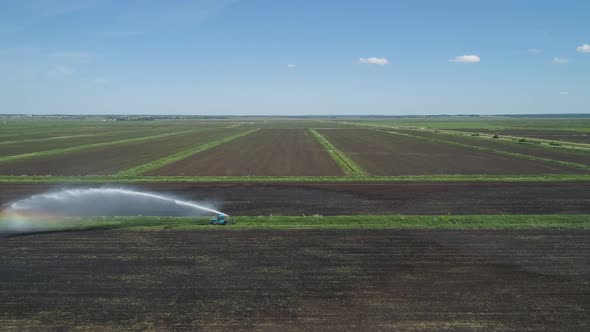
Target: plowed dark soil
526, 149
389, 154
297, 280
368, 198
111, 159
268, 152
19, 148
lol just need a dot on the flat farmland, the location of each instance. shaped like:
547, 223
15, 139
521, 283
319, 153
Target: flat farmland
526, 149
267, 152
113, 158
37, 131
24, 147
557, 135
386, 198
49, 133
388, 154
30, 130
321, 280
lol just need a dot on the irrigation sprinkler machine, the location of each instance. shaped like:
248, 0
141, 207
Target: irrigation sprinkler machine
222, 219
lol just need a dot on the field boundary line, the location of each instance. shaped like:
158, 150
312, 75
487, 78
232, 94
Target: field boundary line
153, 165
348, 165
88, 146
100, 179
500, 152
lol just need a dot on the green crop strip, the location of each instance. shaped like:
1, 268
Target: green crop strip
110, 179
179, 156
501, 152
456, 222
349, 167
88, 146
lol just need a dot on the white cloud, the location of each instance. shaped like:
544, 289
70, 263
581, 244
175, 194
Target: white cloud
560, 60
564, 93
374, 61
291, 65
61, 71
466, 59
583, 48
534, 51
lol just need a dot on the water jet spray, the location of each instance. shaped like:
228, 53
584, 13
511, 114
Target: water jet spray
37, 211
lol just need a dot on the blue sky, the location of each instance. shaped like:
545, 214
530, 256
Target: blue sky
294, 57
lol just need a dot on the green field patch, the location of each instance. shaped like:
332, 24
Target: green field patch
328, 222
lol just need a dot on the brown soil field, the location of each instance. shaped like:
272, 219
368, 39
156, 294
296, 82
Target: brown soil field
527, 149
111, 159
297, 280
18, 148
365, 198
568, 136
388, 154
35, 132
270, 152
41, 130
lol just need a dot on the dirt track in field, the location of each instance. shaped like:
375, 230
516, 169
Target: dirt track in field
294, 280
389, 154
526, 149
367, 198
111, 159
267, 152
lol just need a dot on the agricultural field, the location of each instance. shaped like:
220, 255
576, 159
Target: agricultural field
303, 279
19, 147
524, 148
267, 152
375, 198
575, 123
111, 159
342, 222
566, 136
382, 153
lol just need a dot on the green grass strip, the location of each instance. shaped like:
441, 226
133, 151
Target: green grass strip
456, 222
179, 156
87, 146
496, 151
106, 179
349, 167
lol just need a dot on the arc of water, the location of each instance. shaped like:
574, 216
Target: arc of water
75, 192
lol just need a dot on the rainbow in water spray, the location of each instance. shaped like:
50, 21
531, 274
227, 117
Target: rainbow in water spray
47, 210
